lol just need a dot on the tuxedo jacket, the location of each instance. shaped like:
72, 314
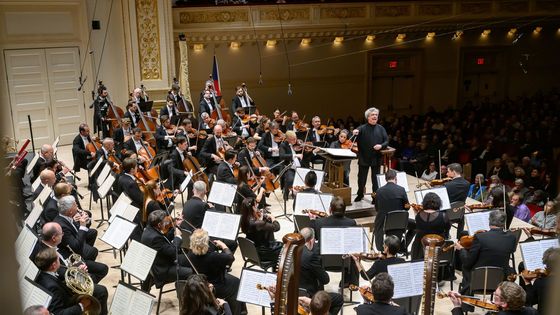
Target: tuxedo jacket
203, 106
175, 167
166, 251
224, 174
136, 116
130, 187
62, 302
390, 197
193, 212
244, 156
118, 137
129, 145
380, 308
492, 248
75, 238
160, 134
81, 156
39, 166
207, 150
50, 209
265, 144
312, 276
286, 155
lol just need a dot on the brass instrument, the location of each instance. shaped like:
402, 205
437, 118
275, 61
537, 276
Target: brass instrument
79, 281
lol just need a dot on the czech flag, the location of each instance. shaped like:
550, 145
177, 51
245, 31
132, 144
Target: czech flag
216, 77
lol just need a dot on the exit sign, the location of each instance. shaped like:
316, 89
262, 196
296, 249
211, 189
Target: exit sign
393, 64
480, 61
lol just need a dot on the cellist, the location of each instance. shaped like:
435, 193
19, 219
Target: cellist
175, 168
245, 156
128, 183
100, 109
135, 143
82, 156
122, 134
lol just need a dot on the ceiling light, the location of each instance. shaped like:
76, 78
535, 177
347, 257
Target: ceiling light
338, 39
271, 43
537, 30
235, 45
430, 35
370, 38
486, 32
198, 47
401, 36
305, 41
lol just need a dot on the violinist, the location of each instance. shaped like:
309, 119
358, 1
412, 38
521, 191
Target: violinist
491, 248
207, 104
382, 288
198, 298
269, 145
391, 246
128, 184
538, 288
46, 157
241, 100
82, 156
245, 191
342, 142
294, 122
214, 265
164, 141
291, 157
170, 110
166, 240
132, 114
262, 128
280, 119
458, 186
316, 134
224, 171
239, 127
100, 107
175, 168
371, 138
122, 134
509, 297
429, 221
151, 200
195, 207
206, 123
313, 277
213, 150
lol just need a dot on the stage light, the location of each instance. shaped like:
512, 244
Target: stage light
401, 36
271, 43
430, 35
198, 47
457, 35
537, 30
235, 45
370, 38
338, 39
512, 32
305, 41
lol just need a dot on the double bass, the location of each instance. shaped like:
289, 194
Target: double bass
183, 106
114, 113
219, 113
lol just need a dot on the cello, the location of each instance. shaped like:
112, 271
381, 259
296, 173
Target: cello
148, 128
271, 184
191, 164
183, 106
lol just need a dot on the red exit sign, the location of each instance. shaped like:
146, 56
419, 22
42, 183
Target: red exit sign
480, 61
393, 64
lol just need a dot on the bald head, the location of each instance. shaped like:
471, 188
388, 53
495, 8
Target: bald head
218, 130
47, 177
51, 234
47, 152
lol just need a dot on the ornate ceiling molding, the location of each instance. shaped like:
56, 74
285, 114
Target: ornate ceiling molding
147, 24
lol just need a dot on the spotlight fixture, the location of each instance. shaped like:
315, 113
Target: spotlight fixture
430, 35
198, 47
271, 43
338, 39
305, 41
512, 31
370, 38
235, 45
537, 30
401, 36
457, 35
486, 32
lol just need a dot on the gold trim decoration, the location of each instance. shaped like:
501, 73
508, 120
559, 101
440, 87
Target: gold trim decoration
435, 9
228, 16
392, 10
285, 14
343, 13
147, 25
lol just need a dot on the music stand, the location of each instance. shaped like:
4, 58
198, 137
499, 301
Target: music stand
146, 106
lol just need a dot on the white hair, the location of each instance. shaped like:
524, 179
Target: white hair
370, 111
199, 186
65, 203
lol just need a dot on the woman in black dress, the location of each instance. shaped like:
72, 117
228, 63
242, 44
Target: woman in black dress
430, 220
198, 298
245, 191
259, 228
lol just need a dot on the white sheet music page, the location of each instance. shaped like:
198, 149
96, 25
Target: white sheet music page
118, 232
222, 193
312, 201
25, 243
120, 205
142, 303
221, 224
477, 221
402, 180
248, 291
34, 214
32, 294
341, 241
340, 152
44, 194
96, 166
532, 252
299, 177
138, 260
106, 186
408, 278
121, 300
103, 174
36, 183
440, 191
186, 182
27, 269
32, 163
127, 212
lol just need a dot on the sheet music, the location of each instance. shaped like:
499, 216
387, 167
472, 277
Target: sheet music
44, 194
408, 278
36, 183
130, 301
31, 164
402, 180
32, 294
55, 145
222, 193
440, 191
138, 260
221, 224
532, 252
248, 291
105, 171
340, 152
25, 243
477, 221
106, 186
341, 241
96, 166
120, 204
27, 269
126, 212
118, 232
299, 177
34, 214
312, 201
185, 182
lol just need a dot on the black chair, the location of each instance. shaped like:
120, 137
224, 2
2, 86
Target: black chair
456, 213
301, 222
411, 304
485, 280
447, 262
251, 256
396, 222
160, 285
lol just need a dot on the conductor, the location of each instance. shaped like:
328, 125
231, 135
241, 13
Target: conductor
371, 138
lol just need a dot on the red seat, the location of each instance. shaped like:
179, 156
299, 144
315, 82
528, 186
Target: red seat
534, 208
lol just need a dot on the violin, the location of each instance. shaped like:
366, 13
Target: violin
365, 292
467, 240
370, 256
304, 146
479, 206
439, 182
414, 206
318, 213
301, 126
167, 224
349, 144
279, 136
534, 274
541, 231
473, 301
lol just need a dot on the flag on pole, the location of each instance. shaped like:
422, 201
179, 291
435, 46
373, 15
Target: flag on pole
216, 77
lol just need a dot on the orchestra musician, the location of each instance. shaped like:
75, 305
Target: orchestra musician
135, 143
80, 155
166, 240
391, 246
382, 288
206, 123
241, 100
101, 106
122, 134
207, 104
313, 277
245, 156
291, 157
224, 172
48, 179
538, 289
458, 186
198, 298
209, 152
271, 146
50, 205
138, 96
164, 141
132, 114
128, 184
241, 129
491, 248
343, 139
509, 297
371, 138
280, 119
429, 221
294, 121
214, 264
175, 168
46, 157
170, 110
63, 301
195, 207
245, 191
390, 197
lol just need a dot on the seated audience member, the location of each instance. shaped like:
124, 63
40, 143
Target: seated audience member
477, 190
430, 173
391, 246
546, 219
509, 297
522, 212
382, 287
198, 298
